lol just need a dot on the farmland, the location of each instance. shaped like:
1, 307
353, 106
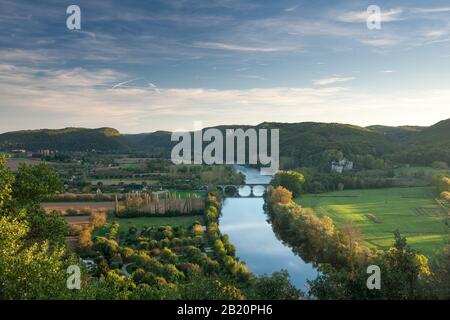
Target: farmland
378, 212
142, 222
63, 206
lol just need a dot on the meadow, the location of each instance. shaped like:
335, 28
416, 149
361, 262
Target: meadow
378, 212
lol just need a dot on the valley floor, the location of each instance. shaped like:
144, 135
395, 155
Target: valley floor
378, 212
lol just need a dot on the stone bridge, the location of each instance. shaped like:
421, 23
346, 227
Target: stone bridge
248, 190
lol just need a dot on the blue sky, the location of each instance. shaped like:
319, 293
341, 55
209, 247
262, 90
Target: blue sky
141, 66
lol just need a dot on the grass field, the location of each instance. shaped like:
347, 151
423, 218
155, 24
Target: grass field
126, 223
378, 212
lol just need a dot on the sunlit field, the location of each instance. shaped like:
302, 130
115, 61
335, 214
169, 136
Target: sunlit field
378, 212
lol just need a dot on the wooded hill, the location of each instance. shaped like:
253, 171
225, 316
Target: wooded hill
305, 141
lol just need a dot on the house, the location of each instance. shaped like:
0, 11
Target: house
341, 165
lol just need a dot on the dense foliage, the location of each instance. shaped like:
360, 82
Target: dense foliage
343, 259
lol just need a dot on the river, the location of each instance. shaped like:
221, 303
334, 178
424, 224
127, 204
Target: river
244, 220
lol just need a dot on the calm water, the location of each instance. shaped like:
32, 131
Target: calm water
244, 220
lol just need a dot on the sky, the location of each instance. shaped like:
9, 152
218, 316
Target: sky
142, 66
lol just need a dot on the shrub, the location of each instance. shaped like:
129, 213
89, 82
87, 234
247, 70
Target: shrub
98, 219
86, 211
71, 212
167, 256
75, 229
85, 238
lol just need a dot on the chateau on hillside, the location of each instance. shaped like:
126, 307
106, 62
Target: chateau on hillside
341, 165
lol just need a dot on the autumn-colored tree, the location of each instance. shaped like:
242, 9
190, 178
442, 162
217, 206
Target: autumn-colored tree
85, 238
98, 219
280, 195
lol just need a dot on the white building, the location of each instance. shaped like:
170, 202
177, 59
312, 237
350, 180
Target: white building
341, 165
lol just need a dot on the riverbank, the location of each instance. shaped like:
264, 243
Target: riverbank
246, 223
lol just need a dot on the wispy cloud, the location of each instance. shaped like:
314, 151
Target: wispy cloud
291, 9
234, 47
431, 10
121, 84
58, 98
394, 14
381, 42
331, 80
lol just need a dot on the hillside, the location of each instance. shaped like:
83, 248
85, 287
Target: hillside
304, 142
396, 133
307, 141
68, 139
436, 135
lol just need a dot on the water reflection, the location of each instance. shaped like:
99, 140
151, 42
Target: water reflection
244, 220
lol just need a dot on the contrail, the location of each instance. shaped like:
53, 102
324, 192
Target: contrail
123, 83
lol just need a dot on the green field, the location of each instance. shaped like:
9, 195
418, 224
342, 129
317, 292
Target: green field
378, 212
126, 223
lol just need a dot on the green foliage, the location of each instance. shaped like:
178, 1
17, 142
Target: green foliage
42, 226
34, 271
274, 287
377, 212
314, 239
439, 165
6, 181
167, 256
403, 275
34, 183
68, 139
290, 180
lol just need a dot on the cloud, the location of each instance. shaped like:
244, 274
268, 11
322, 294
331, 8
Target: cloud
431, 10
80, 97
233, 47
123, 83
331, 80
380, 42
361, 16
291, 9
437, 33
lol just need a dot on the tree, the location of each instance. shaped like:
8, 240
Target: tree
85, 238
280, 195
34, 183
291, 180
438, 285
275, 287
35, 271
6, 181
98, 219
168, 256
403, 272
203, 288
43, 226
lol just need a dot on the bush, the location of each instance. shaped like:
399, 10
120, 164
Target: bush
85, 238
440, 165
86, 211
446, 196
75, 229
167, 256
98, 219
71, 212
291, 180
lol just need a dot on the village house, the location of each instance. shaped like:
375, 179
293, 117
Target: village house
341, 165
